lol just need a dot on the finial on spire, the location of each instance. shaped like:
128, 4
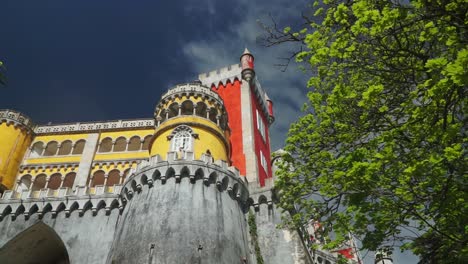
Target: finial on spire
246, 51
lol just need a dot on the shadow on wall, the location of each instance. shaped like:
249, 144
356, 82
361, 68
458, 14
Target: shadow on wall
37, 244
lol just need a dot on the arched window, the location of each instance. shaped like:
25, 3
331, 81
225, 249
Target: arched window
213, 114
181, 138
201, 109
55, 181
162, 115
65, 148
146, 142
69, 180
37, 149
39, 182
25, 183
182, 141
51, 149
134, 144
106, 145
79, 147
120, 144
187, 108
173, 110
98, 178
113, 178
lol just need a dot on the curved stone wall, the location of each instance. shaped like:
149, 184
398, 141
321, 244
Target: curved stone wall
182, 212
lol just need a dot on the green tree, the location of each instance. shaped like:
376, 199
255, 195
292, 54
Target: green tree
381, 149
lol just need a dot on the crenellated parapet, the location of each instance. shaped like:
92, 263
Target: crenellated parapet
12, 117
222, 75
14, 204
216, 175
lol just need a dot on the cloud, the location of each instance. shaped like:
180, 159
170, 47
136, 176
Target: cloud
286, 89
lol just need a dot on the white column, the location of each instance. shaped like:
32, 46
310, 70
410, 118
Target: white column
248, 133
84, 169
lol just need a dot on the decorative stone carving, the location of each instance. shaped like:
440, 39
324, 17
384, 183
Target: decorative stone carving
95, 126
17, 119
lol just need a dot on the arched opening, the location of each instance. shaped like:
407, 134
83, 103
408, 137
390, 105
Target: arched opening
134, 144
173, 110
201, 109
37, 149
126, 172
98, 178
187, 108
146, 142
55, 181
223, 122
39, 182
213, 114
69, 180
182, 141
120, 144
37, 244
25, 183
162, 115
106, 145
199, 174
113, 178
79, 147
51, 149
65, 148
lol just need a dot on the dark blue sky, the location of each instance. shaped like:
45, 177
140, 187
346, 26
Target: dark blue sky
87, 60
73, 61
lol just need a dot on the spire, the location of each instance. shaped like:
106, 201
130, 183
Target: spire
247, 64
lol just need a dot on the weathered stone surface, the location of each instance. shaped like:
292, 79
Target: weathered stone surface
87, 238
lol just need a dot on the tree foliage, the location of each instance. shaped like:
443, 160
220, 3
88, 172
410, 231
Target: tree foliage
381, 150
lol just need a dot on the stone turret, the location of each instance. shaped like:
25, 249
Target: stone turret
16, 134
185, 204
247, 64
191, 120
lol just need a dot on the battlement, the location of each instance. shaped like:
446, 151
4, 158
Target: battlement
177, 167
195, 89
222, 75
17, 119
63, 200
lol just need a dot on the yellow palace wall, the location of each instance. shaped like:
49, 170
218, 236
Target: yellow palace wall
13, 144
207, 139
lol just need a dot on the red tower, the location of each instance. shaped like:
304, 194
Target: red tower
250, 113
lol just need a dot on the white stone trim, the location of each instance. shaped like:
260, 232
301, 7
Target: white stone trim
95, 126
17, 119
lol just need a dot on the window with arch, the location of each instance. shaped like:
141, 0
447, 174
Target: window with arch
79, 147
37, 150
134, 144
51, 149
120, 144
181, 138
146, 142
182, 141
65, 148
